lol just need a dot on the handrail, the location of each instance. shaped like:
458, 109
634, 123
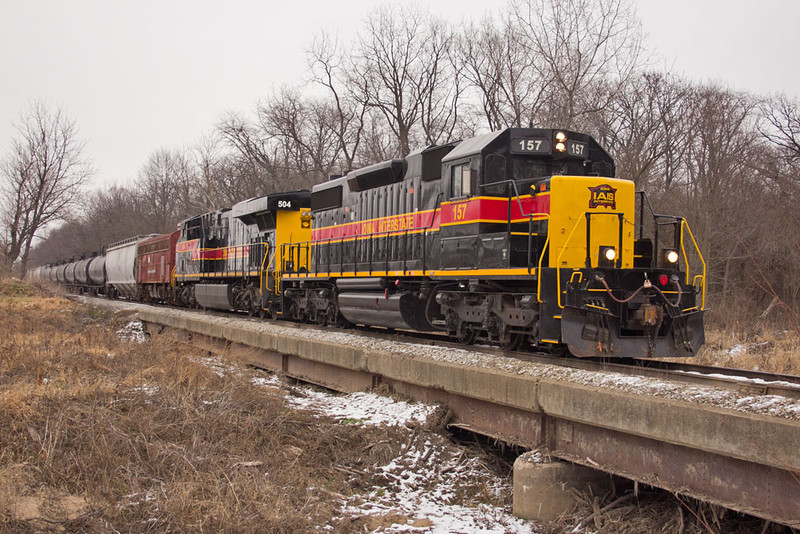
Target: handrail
685, 223
558, 259
261, 277
386, 234
541, 257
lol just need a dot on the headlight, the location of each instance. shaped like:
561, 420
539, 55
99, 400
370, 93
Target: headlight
669, 257
561, 137
561, 147
607, 256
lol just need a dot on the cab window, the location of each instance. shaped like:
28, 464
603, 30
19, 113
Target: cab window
460, 181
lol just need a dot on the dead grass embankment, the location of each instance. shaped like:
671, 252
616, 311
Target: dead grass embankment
98, 434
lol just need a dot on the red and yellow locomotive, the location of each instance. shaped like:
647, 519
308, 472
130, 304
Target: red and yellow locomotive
520, 237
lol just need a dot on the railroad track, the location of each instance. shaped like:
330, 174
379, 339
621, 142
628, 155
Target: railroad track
739, 380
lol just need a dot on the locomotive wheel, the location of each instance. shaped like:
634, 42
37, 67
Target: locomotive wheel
331, 315
466, 335
321, 317
514, 342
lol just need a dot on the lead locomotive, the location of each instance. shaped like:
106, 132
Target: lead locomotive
521, 237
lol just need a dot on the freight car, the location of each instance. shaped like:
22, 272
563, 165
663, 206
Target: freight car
96, 275
121, 268
85, 275
520, 237
155, 265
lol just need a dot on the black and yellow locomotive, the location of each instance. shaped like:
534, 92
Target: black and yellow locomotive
520, 237
228, 259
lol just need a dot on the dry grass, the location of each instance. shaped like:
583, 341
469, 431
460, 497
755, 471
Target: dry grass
98, 434
657, 511
772, 351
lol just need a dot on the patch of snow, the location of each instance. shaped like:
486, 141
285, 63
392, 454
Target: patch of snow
219, 365
133, 331
736, 350
744, 379
146, 389
419, 486
418, 490
363, 407
271, 381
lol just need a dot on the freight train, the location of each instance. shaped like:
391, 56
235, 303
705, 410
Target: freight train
521, 238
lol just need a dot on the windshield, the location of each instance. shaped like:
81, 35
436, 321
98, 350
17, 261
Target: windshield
528, 168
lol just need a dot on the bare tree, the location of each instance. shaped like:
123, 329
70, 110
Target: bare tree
497, 65
348, 119
783, 125
165, 189
397, 67
719, 181
440, 88
586, 49
222, 175
308, 131
257, 157
42, 176
644, 128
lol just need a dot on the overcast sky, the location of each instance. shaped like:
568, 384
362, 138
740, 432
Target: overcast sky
147, 74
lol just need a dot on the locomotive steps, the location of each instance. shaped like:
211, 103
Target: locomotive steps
727, 448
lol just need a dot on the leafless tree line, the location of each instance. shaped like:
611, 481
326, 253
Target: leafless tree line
727, 160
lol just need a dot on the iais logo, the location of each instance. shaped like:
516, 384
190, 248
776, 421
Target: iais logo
603, 195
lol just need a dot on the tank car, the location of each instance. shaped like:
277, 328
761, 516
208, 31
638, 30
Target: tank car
51, 274
81, 276
70, 276
61, 273
96, 275
520, 237
227, 259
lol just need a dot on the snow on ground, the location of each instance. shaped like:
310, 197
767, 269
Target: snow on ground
417, 487
420, 486
133, 331
363, 407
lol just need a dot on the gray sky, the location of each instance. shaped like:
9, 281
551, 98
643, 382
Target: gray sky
147, 74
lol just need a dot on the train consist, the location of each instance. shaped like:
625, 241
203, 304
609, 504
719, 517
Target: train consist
521, 238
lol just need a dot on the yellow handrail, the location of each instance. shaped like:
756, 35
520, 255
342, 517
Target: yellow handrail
545, 216
685, 224
261, 269
558, 259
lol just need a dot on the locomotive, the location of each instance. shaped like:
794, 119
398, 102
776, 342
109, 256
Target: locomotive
521, 238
